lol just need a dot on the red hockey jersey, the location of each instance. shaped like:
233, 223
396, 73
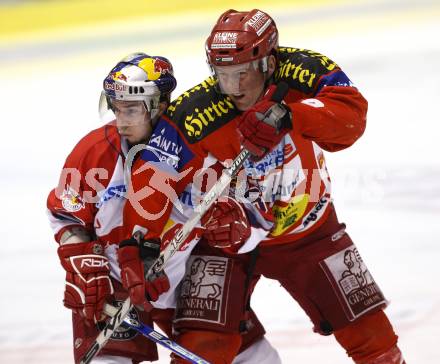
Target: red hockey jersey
292, 183
91, 190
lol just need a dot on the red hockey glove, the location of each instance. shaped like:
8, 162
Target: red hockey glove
264, 125
226, 224
88, 283
134, 260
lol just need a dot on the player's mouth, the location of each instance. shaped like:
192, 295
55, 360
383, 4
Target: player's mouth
241, 101
237, 97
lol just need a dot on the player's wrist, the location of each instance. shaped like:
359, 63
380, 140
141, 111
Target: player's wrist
81, 248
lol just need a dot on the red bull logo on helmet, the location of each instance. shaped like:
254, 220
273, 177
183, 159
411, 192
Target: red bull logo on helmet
112, 86
161, 66
154, 67
152, 70
119, 76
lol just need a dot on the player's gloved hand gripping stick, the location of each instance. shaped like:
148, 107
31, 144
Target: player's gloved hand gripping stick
272, 117
264, 125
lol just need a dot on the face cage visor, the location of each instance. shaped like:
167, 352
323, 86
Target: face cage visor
132, 116
229, 77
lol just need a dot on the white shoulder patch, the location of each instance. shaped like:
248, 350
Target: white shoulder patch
313, 102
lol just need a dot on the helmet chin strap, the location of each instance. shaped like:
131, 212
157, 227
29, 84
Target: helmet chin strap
157, 111
263, 64
269, 80
154, 115
154, 112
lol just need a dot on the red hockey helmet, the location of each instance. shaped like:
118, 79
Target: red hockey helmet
240, 37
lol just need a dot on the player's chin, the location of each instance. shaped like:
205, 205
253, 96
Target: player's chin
138, 141
242, 102
132, 140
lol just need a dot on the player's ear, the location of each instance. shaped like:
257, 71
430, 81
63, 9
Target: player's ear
162, 107
271, 65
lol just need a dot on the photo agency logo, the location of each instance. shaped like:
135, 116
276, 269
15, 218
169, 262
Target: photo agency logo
261, 182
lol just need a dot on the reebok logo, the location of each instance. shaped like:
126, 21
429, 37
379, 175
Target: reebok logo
94, 263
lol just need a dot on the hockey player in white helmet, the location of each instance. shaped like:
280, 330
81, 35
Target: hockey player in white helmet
85, 210
137, 91
85, 213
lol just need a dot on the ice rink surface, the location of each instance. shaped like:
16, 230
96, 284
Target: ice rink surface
386, 187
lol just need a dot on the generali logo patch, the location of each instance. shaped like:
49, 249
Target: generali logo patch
202, 289
352, 282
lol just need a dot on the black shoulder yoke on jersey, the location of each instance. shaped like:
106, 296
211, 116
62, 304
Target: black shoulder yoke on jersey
302, 68
201, 110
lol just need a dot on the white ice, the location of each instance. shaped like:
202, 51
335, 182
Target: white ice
386, 187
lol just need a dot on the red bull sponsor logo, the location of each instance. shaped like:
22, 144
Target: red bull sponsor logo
161, 66
154, 67
113, 86
119, 76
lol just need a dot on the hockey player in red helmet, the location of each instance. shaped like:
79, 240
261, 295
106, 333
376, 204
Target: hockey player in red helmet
244, 56
278, 219
241, 52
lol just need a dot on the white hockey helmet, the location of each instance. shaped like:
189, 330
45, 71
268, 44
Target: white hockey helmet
139, 77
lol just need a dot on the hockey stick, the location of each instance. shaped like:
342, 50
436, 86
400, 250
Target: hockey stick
211, 196
155, 336
208, 199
